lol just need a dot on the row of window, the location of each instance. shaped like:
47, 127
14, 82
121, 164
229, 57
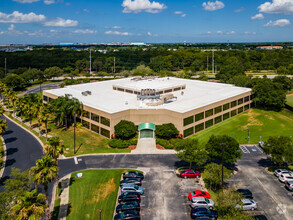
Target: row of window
46, 98
94, 117
213, 121
213, 111
95, 128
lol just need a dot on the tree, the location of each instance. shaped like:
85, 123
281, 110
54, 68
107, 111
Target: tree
125, 129
97, 64
284, 81
223, 146
166, 131
190, 151
29, 206
282, 70
3, 126
231, 68
142, 70
14, 81
53, 72
44, 115
43, 173
82, 64
77, 108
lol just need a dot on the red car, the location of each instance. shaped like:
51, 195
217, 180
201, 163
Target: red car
198, 193
189, 173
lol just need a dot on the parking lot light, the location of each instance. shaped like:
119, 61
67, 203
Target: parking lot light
100, 210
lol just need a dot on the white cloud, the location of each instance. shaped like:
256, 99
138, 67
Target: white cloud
181, 13
257, 16
114, 27
118, 33
54, 31
277, 7
49, 2
26, 1
224, 33
137, 6
213, 6
149, 34
1, 32
209, 32
60, 22
86, 10
84, 31
231, 32
18, 17
239, 10
11, 27
249, 33
220, 32
278, 23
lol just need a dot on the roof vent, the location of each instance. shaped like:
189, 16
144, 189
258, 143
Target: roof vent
86, 93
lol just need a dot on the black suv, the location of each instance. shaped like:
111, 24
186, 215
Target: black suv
246, 193
131, 214
129, 196
135, 181
132, 205
133, 174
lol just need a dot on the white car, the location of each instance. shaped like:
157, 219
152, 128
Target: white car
278, 172
285, 177
247, 204
199, 202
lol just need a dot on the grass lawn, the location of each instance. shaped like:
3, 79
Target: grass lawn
290, 100
100, 193
259, 122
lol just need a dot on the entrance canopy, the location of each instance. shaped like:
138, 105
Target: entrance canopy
147, 126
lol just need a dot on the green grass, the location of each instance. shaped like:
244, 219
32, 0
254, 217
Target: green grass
290, 100
97, 189
259, 122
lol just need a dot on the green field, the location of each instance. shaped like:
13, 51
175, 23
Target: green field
97, 189
259, 122
290, 100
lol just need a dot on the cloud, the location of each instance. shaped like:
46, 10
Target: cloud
181, 13
277, 7
149, 34
49, 2
213, 6
278, 23
137, 6
86, 10
209, 32
1, 32
114, 27
60, 22
11, 27
18, 17
220, 32
118, 33
26, 1
224, 33
84, 31
231, 32
239, 10
257, 16
249, 33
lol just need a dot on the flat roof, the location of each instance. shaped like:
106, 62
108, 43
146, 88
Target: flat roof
197, 94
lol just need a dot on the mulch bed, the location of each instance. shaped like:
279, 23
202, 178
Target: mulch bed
160, 147
132, 147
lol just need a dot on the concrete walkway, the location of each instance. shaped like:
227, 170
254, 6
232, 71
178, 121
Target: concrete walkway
65, 182
148, 146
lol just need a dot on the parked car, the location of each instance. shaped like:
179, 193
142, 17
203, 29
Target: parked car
198, 193
189, 173
203, 212
285, 177
198, 202
133, 174
247, 204
129, 196
278, 172
246, 193
130, 214
131, 188
131, 205
135, 181
289, 185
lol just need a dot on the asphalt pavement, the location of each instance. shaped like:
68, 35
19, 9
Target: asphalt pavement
36, 89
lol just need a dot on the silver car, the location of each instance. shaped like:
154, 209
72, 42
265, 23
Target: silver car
131, 188
198, 202
289, 185
285, 177
247, 204
278, 172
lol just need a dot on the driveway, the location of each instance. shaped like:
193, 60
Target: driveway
269, 193
36, 89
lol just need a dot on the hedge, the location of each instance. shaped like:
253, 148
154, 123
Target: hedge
118, 143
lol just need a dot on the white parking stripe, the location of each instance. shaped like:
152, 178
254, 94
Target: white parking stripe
259, 149
245, 150
75, 160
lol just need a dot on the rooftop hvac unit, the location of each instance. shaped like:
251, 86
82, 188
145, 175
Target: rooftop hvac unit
86, 93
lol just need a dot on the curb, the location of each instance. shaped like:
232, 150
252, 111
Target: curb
4, 158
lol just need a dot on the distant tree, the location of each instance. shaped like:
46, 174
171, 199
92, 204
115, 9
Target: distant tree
190, 151
142, 70
203, 77
30, 75
284, 81
241, 81
166, 131
53, 72
125, 129
231, 68
97, 64
282, 70
81, 65
14, 81
290, 69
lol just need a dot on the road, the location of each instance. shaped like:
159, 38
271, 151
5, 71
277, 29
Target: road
36, 89
22, 150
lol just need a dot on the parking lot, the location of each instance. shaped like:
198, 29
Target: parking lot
270, 194
166, 195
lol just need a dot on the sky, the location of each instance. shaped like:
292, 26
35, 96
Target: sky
159, 21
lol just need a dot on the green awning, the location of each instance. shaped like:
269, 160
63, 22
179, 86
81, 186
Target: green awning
148, 126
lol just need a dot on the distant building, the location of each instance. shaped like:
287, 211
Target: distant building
66, 44
269, 47
15, 48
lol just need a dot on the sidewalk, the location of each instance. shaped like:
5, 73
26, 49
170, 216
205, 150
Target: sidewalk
65, 182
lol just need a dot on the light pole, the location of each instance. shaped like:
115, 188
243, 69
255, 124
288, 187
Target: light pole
248, 136
100, 210
223, 144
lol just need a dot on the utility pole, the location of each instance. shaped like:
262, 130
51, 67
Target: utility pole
207, 64
222, 144
114, 64
90, 61
5, 67
213, 63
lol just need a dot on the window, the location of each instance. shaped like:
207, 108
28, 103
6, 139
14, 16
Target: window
199, 127
209, 113
240, 110
105, 132
246, 99
85, 124
218, 109
233, 113
176, 89
95, 128
45, 98
105, 121
226, 106
209, 123
86, 114
199, 116
95, 117
240, 101
169, 90
188, 132
226, 116
246, 107
218, 119
233, 104
187, 121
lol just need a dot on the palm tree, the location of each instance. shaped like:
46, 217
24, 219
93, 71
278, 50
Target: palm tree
43, 173
30, 206
3, 126
54, 150
44, 115
77, 108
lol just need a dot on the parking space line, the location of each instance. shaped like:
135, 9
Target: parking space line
244, 150
259, 149
75, 160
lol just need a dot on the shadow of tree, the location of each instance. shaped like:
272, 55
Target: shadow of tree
9, 140
11, 151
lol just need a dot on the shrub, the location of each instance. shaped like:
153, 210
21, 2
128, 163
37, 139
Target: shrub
125, 129
117, 143
164, 143
166, 131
